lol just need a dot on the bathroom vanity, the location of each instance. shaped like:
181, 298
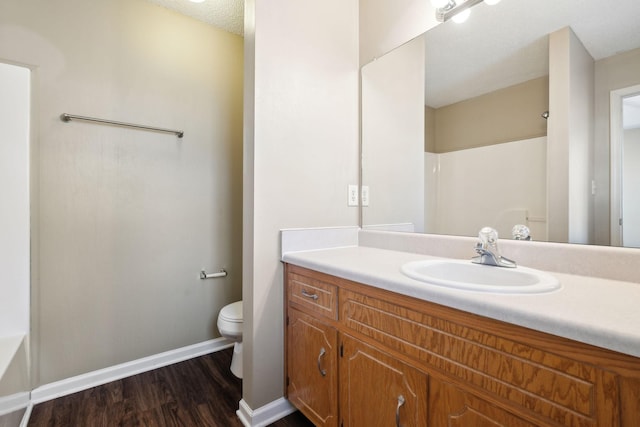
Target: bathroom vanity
385, 351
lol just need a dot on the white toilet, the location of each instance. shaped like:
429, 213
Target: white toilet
230, 327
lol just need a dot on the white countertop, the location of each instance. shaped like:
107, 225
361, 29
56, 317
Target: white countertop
601, 312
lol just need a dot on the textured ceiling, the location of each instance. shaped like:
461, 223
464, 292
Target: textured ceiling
225, 14
507, 43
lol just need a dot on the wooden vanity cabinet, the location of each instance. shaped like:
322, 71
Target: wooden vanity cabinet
374, 388
451, 368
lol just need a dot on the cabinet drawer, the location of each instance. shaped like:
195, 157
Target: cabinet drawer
313, 295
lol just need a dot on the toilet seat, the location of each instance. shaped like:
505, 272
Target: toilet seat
232, 313
230, 327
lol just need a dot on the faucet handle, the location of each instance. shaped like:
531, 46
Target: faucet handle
521, 232
487, 250
488, 237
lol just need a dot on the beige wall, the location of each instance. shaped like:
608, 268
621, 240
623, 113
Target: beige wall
581, 143
616, 72
393, 131
570, 139
128, 218
301, 143
509, 114
429, 129
299, 159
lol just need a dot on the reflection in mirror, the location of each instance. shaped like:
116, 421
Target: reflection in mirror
630, 170
625, 174
489, 156
14, 244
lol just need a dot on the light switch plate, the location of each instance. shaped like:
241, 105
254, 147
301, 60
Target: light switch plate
364, 193
352, 198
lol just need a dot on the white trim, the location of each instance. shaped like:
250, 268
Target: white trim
102, 376
14, 402
264, 415
26, 416
616, 160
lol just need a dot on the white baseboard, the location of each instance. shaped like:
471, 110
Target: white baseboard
264, 415
113, 373
14, 402
26, 416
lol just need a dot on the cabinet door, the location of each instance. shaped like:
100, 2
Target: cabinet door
312, 370
450, 406
377, 390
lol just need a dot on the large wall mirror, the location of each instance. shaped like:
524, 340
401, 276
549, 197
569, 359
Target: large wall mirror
504, 120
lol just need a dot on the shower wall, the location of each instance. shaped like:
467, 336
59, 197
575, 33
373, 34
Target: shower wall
126, 219
15, 88
14, 206
499, 185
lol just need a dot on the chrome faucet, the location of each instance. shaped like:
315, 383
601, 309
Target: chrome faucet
487, 249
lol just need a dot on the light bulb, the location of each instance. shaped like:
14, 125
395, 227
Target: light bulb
462, 16
491, 2
439, 4
202, 1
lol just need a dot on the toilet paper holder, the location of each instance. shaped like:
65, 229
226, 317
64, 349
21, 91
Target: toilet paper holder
205, 275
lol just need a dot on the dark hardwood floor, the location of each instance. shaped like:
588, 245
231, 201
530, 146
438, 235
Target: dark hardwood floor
197, 392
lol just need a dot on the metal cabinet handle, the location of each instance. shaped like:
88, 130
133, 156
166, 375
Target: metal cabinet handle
400, 403
323, 372
308, 295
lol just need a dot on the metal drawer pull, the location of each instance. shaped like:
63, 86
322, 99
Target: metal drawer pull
323, 372
400, 403
308, 295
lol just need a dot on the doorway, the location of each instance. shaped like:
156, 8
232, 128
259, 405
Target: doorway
625, 170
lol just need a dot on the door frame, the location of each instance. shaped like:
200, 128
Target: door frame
616, 152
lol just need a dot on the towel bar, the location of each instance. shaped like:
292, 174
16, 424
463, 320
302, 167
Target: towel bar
65, 117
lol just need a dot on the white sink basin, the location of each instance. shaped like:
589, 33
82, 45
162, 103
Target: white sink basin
467, 275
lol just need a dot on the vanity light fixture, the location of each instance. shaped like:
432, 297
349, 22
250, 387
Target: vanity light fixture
440, 4
462, 16
456, 10
202, 1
